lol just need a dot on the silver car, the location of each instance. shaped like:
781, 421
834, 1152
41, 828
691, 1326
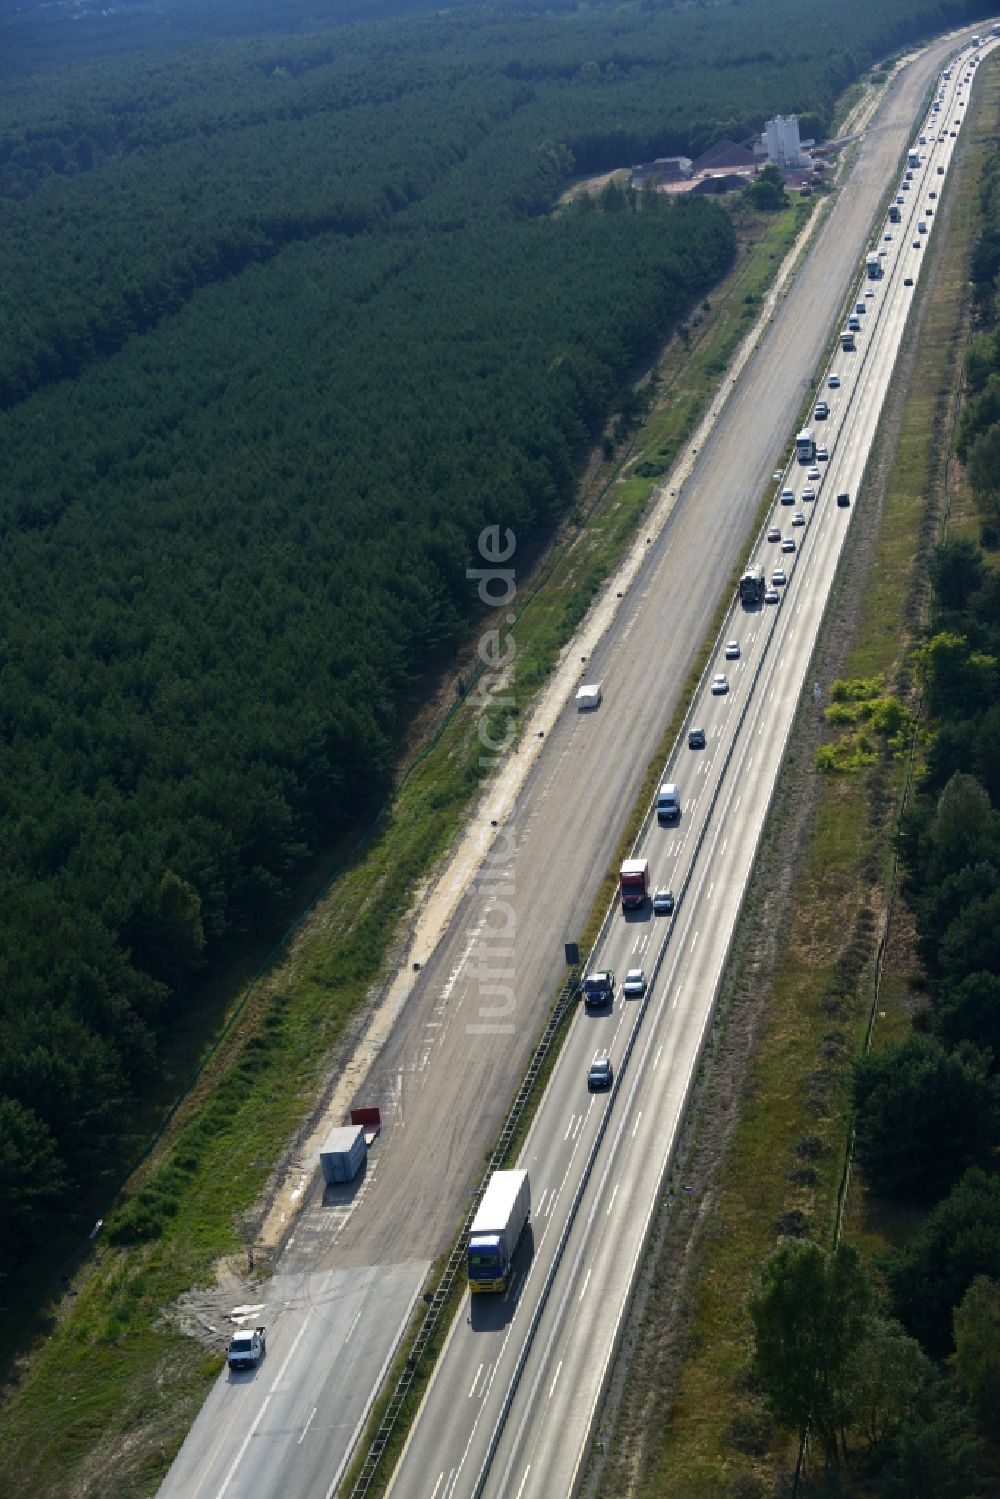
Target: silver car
634, 986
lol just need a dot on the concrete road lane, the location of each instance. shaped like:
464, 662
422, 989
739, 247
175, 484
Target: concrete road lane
460, 1044
273, 1430
537, 1407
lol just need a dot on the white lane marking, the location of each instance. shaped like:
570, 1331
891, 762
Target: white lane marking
437, 1486
260, 1414
657, 1057
552, 1386
694, 941
710, 889
353, 1326
524, 1480
307, 1426
472, 1387
612, 1202
586, 1282
569, 1128
636, 1124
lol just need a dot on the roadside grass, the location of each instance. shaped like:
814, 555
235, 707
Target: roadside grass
424, 1369
108, 1388
786, 1156
930, 465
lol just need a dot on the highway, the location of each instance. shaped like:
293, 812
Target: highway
355, 1264
512, 1403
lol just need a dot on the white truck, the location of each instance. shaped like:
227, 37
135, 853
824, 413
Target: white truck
873, 266
246, 1348
496, 1229
913, 157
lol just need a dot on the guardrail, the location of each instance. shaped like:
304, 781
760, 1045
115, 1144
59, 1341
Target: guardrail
853, 398
456, 1258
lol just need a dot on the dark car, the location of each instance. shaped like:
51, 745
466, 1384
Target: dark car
599, 988
843, 499
600, 1074
907, 280
696, 739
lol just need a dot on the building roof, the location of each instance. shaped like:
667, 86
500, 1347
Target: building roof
725, 155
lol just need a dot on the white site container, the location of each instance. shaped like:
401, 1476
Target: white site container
344, 1154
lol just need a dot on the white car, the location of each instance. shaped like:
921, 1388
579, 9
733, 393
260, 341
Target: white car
732, 650
808, 493
774, 533
720, 684
887, 234
772, 596
634, 986
663, 901
813, 473
788, 545
798, 519
833, 381
778, 577
822, 455
788, 496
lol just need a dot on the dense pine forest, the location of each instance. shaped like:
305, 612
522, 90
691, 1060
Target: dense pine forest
287, 319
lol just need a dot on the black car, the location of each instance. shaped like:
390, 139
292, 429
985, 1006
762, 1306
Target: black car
696, 739
600, 1074
599, 988
843, 499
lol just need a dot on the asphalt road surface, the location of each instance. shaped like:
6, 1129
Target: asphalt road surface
512, 1403
356, 1263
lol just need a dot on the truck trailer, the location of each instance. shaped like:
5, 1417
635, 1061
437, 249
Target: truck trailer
805, 445
496, 1230
913, 157
633, 883
873, 266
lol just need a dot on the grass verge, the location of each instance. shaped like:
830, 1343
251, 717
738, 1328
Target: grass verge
104, 1397
782, 1170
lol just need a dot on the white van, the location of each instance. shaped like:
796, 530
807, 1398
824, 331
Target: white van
668, 803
